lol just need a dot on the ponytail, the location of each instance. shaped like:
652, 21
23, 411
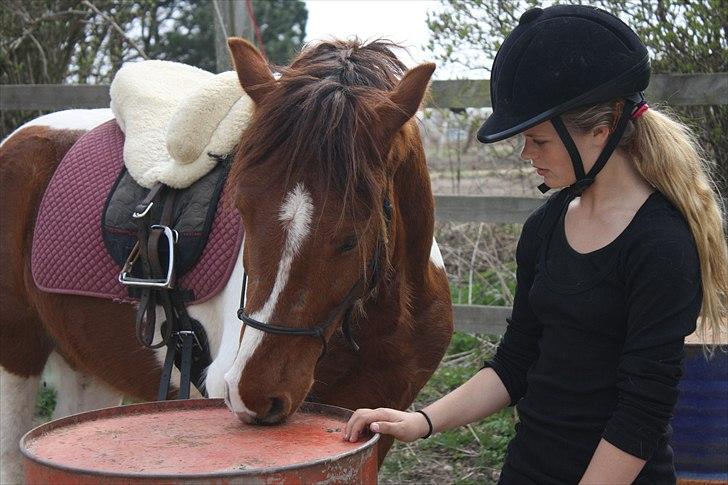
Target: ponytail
668, 156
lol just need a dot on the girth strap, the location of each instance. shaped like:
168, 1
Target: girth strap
185, 338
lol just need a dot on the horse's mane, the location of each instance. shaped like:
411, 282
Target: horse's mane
321, 114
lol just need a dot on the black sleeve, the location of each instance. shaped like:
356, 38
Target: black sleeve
518, 349
664, 295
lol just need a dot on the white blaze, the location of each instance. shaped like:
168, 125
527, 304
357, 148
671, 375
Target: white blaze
295, 215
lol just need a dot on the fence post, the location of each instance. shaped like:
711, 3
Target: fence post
231, 19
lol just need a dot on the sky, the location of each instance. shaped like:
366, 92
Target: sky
403, 21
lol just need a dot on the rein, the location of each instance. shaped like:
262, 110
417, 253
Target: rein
357, 292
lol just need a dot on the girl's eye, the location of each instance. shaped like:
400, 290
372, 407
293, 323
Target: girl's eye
348, 244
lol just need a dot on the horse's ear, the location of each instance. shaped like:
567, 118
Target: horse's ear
405, 100
253, 72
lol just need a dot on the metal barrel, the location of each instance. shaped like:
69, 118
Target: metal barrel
700, 422
196, 441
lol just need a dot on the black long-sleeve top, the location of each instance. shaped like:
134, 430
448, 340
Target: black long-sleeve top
594, 346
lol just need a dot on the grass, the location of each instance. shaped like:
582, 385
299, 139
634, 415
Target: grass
471, 454
45, 403
487, 287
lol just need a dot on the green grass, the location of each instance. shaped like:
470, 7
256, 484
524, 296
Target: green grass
470, 454
45, 403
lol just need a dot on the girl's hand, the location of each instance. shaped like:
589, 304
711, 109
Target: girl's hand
402, 425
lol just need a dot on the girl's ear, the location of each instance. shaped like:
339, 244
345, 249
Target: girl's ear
600, 134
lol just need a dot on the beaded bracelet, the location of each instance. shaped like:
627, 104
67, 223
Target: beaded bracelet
429, 423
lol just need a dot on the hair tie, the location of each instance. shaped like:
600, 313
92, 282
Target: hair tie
639, 110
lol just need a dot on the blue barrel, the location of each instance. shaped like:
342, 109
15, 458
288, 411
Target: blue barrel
700, 424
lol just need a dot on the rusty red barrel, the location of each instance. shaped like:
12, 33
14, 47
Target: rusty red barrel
196, 442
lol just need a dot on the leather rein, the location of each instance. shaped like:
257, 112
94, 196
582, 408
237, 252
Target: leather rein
357, 292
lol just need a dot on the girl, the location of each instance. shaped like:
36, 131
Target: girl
613, 270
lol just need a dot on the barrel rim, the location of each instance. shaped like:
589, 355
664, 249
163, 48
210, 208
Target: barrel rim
149, 407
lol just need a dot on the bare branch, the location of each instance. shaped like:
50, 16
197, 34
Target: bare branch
43, 57
121, 32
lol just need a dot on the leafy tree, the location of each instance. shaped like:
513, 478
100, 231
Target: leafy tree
282, 25
192, 40
683, 37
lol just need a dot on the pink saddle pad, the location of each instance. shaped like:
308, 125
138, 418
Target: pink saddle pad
69, 255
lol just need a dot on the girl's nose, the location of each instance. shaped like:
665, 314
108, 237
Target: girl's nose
526, 153
523, 147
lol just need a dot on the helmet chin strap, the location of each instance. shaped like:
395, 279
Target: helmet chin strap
583, 181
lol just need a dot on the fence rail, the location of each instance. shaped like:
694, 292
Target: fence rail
673, 89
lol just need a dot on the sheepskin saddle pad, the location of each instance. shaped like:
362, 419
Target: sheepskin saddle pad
84, 230
178, 120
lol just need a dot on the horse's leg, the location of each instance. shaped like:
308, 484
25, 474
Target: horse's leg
16, 418
24, 348
76, 391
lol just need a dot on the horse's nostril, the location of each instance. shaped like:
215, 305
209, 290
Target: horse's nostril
276, 407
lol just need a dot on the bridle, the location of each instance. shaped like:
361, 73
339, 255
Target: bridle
357, 292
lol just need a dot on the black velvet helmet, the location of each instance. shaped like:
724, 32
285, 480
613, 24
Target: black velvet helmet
560, 58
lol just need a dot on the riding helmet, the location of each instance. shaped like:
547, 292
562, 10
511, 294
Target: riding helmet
560, 58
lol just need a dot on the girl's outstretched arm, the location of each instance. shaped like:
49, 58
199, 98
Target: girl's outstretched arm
482, 395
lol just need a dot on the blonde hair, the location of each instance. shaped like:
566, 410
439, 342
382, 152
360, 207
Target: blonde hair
667, 155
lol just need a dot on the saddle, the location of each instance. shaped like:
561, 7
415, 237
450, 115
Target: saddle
162, 246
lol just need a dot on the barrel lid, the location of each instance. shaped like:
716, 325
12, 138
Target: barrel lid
191, 438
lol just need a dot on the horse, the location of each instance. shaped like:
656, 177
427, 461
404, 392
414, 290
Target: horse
333, 191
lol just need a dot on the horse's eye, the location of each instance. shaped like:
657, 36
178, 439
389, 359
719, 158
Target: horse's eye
348, 244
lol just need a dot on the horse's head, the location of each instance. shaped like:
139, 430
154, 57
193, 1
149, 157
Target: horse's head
314, 189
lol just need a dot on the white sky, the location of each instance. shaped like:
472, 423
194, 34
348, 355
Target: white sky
403, 21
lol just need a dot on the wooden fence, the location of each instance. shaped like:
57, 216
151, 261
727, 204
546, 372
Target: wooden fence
673, 89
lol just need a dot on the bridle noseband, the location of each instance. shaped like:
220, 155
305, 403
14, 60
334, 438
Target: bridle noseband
357, 292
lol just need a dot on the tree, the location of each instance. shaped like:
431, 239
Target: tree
87, 41
683, 37
282, 25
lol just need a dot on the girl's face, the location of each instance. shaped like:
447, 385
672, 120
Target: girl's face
548, 155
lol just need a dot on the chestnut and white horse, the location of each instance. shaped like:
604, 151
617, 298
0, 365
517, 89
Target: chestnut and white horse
334, 193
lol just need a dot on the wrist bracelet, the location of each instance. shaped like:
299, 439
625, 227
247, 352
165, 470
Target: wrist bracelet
429, 423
